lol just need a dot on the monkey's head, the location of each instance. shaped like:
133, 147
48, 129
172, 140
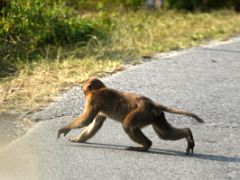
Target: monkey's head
92, 84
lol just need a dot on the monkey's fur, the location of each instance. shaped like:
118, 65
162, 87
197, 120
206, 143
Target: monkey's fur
133, 111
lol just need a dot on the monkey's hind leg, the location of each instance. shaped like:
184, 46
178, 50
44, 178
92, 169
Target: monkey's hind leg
90, 130
133, 129
137, 136
165, 131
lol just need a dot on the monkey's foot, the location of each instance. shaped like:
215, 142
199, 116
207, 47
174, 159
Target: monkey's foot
190, 147
76, 140
189, 151
131, 148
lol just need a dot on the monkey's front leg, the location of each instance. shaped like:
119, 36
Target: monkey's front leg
90, 130
84, 120
63, 131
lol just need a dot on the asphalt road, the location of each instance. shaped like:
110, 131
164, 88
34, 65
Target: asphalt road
205, 80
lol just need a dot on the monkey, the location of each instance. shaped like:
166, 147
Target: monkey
132, 110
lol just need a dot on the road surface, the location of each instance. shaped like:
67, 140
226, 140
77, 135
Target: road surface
205, 80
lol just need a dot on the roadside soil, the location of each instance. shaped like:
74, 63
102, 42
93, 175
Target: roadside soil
12, 126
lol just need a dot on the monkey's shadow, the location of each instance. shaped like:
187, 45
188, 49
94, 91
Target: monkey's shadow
219, 158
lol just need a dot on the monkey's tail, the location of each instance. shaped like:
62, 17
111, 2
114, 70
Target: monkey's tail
179, 111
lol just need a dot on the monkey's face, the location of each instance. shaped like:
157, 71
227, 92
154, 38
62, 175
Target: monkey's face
92, 85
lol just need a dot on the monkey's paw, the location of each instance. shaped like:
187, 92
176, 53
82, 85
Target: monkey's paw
190, 147
63, 131
76, 140
137, 148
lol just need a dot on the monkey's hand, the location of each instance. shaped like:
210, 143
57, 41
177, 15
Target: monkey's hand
63, 131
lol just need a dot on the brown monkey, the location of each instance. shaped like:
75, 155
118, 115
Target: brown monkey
133, 111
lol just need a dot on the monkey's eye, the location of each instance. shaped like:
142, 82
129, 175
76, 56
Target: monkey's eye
90, 87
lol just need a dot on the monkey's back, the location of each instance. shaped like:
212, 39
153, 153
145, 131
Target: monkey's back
117, 104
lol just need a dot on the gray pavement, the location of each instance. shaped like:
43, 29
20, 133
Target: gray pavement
205, 80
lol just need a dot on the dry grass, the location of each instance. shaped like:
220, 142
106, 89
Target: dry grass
131, 35
164, 31
32, 89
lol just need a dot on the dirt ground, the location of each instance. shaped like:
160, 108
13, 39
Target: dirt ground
12, 126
